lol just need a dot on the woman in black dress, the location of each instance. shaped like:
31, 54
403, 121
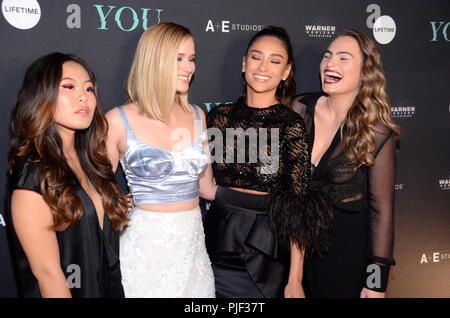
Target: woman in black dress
261, 220
64, 205
353, 157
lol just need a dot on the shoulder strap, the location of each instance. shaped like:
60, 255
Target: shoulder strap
199, 119
125, 121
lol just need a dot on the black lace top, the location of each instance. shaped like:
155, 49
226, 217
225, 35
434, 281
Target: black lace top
267, 150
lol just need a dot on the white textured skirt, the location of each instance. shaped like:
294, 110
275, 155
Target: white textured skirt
163, 255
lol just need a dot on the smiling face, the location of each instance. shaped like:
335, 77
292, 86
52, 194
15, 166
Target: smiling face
185, 65
76, 100
340, 69
265, 65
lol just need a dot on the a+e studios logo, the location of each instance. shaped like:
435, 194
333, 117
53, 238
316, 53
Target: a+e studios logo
434, 257
226, 26
21, 14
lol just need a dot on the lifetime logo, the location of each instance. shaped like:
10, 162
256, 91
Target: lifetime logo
439, 26
383, 26
24, 14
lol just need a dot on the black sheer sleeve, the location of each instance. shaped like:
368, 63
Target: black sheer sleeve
381, 185
381, 202
298, 209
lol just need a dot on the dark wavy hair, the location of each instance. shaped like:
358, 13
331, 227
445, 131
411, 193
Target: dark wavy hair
286, 89
35, 138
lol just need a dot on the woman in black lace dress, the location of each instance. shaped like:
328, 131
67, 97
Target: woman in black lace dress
353, 157
258, 226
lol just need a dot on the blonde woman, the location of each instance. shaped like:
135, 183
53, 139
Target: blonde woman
161, 143
353, 157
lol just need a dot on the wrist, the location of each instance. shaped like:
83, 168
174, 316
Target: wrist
295, 279
376, 277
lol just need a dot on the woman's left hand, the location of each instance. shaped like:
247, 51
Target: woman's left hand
367, 293
294, 290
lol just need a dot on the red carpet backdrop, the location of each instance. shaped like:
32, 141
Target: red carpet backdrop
412, 35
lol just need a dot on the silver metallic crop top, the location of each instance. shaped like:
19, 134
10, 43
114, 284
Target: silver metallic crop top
158, 176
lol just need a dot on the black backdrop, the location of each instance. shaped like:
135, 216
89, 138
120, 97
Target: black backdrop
414, 43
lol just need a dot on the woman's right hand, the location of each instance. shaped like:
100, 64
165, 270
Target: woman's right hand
130, 202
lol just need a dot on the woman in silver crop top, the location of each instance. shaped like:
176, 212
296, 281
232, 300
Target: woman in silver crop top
161, 143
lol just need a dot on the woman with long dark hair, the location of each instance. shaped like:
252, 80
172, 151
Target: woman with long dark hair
353, 157
262, 219
65, 207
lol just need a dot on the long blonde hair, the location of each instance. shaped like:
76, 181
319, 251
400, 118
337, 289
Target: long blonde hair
371, 106
153, 75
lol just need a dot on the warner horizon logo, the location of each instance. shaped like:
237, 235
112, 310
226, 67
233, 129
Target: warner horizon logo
402, 108
320, 27
24, 14
444, 184
226, 26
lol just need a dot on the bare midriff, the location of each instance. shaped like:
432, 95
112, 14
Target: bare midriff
170, 207
249, 191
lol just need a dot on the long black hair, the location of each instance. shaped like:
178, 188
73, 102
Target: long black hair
286, 89
35, 138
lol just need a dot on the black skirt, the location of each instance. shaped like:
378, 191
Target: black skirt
246, 259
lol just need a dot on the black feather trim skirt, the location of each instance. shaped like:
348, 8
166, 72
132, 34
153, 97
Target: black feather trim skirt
247, 261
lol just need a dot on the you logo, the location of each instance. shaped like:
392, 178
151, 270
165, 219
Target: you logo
439, 27
126, 18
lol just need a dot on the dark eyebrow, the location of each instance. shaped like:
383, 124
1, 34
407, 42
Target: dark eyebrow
272, 54
339, 53
71, 79
344, 52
